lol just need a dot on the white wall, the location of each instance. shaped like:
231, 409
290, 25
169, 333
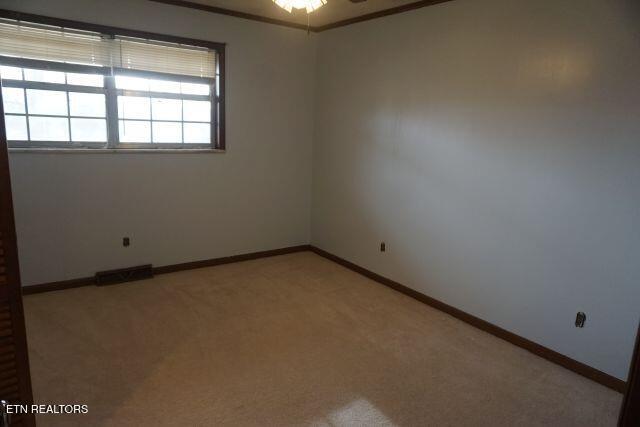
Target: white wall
492, 144
495, 146
72, 210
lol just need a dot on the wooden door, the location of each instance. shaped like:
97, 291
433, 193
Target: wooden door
15, 381
630, 414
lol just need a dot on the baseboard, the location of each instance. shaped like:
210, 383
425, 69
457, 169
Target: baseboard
230, 259
58, 286
535, 348
87, 281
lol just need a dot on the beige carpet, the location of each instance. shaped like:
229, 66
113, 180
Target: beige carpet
289, 340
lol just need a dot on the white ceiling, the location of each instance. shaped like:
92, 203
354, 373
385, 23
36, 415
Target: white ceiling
333, 11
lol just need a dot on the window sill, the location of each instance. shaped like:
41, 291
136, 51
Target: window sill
116, 150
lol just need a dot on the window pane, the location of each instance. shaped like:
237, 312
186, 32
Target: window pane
131, 131
85, 79
195, 89
197, 111
197, 133
49, 129
12, 73
13, 99
167, 132
16, 128
87, 104
164, 86
132, 83
89, 130
44, 76
47, 102
134, 107
166, 109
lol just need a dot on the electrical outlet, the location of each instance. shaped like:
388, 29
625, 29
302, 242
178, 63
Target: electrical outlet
383, 247
126, 241
580, 319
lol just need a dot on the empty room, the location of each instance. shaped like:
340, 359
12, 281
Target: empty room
320, 213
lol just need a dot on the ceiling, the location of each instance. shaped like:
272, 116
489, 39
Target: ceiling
333, 11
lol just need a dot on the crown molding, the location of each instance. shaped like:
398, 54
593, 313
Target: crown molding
316, 29
234, 13
379, 14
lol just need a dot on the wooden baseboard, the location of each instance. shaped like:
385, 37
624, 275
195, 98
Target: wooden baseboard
535, 348
58, 286
230, 259
87, 281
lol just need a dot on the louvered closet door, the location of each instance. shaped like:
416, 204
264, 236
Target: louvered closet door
15, 382
630, 414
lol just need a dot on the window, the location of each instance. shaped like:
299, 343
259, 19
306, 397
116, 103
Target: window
50, 106
64, 88
163, 111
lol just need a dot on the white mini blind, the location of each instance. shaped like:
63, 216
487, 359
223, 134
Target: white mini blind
165, 58
63, 45
53, 45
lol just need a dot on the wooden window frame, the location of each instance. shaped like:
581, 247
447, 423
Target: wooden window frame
218, 127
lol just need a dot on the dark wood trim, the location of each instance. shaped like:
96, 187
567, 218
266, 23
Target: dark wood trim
58, 286
234, 13
221, 119
380, 14
315, 29
87, 281
630, 412
230, 259
535, 348
219, 48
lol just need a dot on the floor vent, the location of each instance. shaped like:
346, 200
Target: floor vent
122, 275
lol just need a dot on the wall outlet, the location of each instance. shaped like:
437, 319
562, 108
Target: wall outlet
126, 241
383, 247
580, 319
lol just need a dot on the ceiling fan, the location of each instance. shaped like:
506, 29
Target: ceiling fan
309, 5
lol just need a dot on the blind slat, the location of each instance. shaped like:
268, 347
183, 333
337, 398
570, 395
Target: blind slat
62, 45
167, 59
51, 45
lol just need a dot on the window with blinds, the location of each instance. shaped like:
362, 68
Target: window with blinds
67, 88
